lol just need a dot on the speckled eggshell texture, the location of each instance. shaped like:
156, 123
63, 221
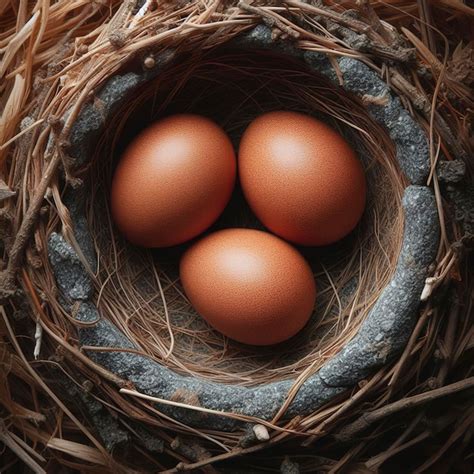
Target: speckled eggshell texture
301, 178
250, 285
173, 181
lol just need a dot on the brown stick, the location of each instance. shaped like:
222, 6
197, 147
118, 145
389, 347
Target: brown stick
351, 23
418, 99
14, 446
449, 339
270, 20
368, 419
23, 234
359, 35
376, 461
463, 427
221, 457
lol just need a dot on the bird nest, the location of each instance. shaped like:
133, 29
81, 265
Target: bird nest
101, 329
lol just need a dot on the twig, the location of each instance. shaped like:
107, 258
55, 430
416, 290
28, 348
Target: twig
77, 354
140, 14
368, 419
27, 129
221, 457
192, 450
465, 425
270, 20
46, 388
425, 25
378, 460
339, 466
418, 99
353, 400
8, 441
7, 277
236, 416
358, 35
368, 12
395, 447
348, 22
449, 339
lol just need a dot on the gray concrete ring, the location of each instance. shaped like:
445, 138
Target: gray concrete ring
382, 335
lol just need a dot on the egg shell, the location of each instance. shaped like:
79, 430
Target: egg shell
301, 178
173, 181
249, 285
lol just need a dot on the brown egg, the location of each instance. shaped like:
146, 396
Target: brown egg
301, 178
250, 285
173, 181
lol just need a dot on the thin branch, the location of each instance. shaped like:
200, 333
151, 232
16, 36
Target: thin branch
367, 419
269, 19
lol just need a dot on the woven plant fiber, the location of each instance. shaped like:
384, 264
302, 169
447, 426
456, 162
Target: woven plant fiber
105, 365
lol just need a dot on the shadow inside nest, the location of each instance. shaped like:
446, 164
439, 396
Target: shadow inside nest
140, 289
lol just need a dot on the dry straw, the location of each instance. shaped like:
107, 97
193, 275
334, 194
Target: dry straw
54, 399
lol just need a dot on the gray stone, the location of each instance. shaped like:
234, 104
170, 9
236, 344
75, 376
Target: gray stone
451, 171
99, 332
115, 437
311, 395
71, 276
386, 114
93, 115
409, 138
462, 198
117, 88
360, 79
260, 37
85, 130
289, 467
74, 200
148, 440
320, 62
412, 147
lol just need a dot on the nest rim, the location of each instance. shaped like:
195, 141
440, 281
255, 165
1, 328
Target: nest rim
318, 388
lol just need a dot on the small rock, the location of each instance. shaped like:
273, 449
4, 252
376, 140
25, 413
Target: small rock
451, 171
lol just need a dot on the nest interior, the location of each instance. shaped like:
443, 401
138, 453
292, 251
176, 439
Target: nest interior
139, 290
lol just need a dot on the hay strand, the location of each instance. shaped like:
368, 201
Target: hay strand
54, 58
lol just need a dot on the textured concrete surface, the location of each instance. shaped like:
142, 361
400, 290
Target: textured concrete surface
114, 436
260, 37
71, 276
320, 63
88, 125
452, 171
463, 199
410, 140
388, 326
382, 335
